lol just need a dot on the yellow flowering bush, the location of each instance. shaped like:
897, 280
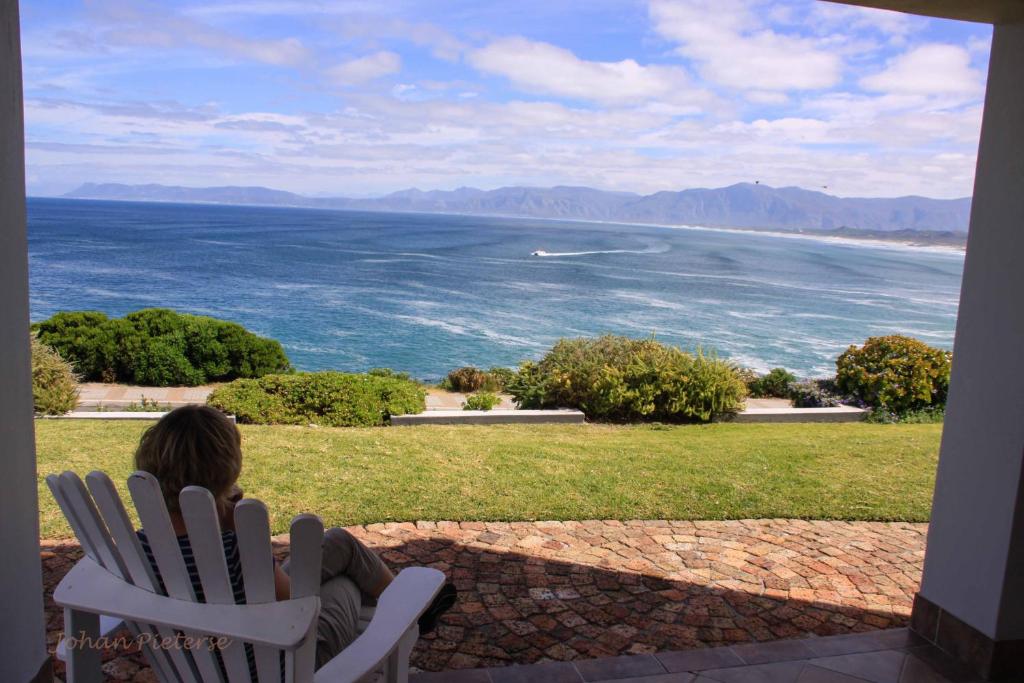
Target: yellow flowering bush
896, 373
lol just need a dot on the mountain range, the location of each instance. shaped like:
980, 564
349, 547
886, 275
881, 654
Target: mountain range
744, 205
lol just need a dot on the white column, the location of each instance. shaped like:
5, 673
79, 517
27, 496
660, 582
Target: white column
22, 635
974, 569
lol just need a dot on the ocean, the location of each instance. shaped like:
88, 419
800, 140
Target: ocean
426, 293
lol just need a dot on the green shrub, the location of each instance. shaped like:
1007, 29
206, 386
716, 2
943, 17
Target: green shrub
388, 372
930, 415
620, 379
775, 384
54, 384
146, 405
329, 399
160, 347
499, 378
895, 373
485, 400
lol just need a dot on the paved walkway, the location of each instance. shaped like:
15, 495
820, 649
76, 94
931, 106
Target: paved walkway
93, 394
532, 592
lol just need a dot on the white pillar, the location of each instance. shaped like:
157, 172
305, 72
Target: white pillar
973, 584
22, 631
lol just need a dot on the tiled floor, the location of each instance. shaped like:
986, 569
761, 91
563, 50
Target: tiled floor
571, 591
891, 656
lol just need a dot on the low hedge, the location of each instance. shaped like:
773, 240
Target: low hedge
160, 347
619, 379
329, 399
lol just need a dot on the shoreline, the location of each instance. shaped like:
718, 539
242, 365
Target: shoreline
848, 240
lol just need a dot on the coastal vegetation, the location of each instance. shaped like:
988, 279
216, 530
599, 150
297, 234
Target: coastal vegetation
329, 399
618, 379
530, 472
896, 374
469, 379
160, 347
54, 383
484, 400
776, 384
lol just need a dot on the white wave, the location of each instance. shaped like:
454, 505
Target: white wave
647, 300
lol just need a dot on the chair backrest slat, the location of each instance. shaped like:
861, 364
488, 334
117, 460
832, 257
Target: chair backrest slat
252, 525
156, 523
139, 570
93, 523
307, 540
173, 663
199, 511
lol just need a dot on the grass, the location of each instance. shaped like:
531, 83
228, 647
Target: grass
520, 472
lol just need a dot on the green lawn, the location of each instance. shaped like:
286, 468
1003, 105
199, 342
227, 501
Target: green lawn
520, 472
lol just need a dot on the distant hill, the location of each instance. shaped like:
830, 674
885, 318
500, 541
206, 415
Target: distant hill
744, 205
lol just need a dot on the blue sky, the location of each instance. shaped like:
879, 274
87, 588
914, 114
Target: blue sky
362, 97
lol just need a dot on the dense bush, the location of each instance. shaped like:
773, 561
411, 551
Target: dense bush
485, 400
815, 393
895, 373
330, 399
469, 379
775, 384
498, 378
388, 372
54, 385
159, 347
620, 379
466, 379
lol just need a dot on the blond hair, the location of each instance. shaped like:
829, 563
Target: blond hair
192, 446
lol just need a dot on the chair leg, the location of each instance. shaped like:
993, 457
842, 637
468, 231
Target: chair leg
398, 662
83, 652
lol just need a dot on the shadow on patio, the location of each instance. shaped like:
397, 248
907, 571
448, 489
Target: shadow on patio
541, 591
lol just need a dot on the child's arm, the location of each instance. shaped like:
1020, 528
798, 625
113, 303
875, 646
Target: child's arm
282, 583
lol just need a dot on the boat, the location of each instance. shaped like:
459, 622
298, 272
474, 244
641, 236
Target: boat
539, 252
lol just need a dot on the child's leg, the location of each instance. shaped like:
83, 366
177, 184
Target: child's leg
339, 617
345, 555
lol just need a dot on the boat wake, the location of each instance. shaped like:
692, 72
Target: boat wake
542, 253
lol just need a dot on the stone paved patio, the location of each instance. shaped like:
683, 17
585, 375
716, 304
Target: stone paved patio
539, 591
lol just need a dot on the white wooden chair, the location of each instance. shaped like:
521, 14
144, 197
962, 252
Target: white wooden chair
115, 583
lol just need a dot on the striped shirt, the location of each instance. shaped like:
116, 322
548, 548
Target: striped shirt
234, 562
231, 555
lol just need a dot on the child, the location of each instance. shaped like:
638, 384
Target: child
199, 446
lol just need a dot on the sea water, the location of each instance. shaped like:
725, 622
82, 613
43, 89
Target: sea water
425, 293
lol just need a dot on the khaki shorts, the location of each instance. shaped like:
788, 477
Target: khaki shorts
349, 574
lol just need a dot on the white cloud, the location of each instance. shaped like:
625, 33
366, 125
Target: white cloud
152, 25
545, 68
736, 50
364, 69
933, 69
848, 18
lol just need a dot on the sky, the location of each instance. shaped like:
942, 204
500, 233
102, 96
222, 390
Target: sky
364, 97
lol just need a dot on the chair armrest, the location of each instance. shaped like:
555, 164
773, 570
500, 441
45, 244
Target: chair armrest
88, 587
398, 609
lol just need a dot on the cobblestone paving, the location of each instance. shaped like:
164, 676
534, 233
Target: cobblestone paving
535, 591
